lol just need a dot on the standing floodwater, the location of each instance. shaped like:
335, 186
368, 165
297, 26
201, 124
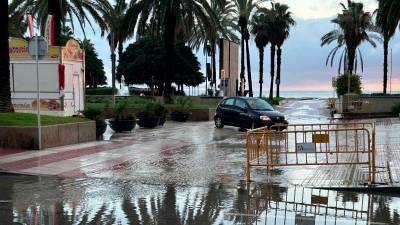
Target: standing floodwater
183, 173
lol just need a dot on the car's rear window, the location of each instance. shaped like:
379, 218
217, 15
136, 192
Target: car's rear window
259, 104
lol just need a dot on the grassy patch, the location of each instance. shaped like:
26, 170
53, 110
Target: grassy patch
26, 119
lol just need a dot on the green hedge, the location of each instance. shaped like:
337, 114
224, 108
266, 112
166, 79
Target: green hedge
99, 91
137, 102
396, 108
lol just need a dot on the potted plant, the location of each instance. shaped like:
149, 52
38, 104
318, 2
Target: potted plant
161, 111
181, 112
148, 118
96, 113
122, 121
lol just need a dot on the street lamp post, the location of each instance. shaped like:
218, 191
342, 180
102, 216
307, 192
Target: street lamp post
38, 47
38, 94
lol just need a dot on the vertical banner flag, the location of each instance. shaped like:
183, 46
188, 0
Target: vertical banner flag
29, 20
49, 32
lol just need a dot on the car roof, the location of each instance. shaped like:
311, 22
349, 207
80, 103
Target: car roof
244, 98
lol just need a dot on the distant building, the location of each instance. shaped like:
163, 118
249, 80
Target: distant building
229, 67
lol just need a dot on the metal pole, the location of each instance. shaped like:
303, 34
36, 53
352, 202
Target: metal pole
113, 69
206, 74
391, 69
38, 94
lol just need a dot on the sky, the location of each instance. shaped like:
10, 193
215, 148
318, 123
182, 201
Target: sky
303, 59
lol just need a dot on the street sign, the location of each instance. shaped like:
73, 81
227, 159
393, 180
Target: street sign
305, 147
319, 200
42, 48
320, 138
304, 220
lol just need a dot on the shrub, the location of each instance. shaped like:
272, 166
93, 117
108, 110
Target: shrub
274, 101
396, 108
160, 109
120, 112
183, 103
342, 84
152, 109
94, 112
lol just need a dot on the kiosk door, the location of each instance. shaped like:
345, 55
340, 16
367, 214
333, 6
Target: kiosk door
76, 93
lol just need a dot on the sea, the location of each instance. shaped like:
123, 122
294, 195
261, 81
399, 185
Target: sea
312, 94
301, 94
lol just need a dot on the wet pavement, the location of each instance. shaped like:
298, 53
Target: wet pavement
183, 173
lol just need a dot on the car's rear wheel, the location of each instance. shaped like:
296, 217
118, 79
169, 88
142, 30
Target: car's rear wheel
219, 123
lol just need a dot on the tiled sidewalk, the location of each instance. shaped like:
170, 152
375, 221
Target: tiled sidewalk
90, 158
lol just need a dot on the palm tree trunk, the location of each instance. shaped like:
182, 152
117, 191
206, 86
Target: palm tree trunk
260, 80
385, 62
169, 41
214, 65
271, 86
242, 80
120, 49
278, 70
113, 73
351, 58
249, 69
54, 9
5, 91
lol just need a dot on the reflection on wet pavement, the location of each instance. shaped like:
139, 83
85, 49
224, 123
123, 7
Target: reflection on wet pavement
195, 184
48, 201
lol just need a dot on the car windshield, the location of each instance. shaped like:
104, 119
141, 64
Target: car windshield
259, 104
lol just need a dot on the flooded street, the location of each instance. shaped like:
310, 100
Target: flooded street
186, 173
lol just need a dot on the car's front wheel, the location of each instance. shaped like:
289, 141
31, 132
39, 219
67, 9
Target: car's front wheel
219, 123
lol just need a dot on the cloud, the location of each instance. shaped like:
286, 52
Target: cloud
317, 9
303, 60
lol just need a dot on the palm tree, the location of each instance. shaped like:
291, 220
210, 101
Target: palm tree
113, 16
387, 19
353, 28
208, 36
172, 19
259, 29
16, 24
61, 10
5, 91
272, 29
283, 21
244, 11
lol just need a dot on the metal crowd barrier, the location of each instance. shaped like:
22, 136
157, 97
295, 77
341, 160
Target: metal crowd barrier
307, 206
312, 145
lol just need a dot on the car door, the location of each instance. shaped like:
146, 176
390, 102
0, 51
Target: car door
227, 111
241, 117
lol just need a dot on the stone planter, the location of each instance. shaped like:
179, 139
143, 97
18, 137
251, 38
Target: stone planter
101, 127
149, 121
122, 125
162, 121
180, 116
52, 136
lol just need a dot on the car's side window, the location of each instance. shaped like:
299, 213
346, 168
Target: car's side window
229, 102
241, 104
